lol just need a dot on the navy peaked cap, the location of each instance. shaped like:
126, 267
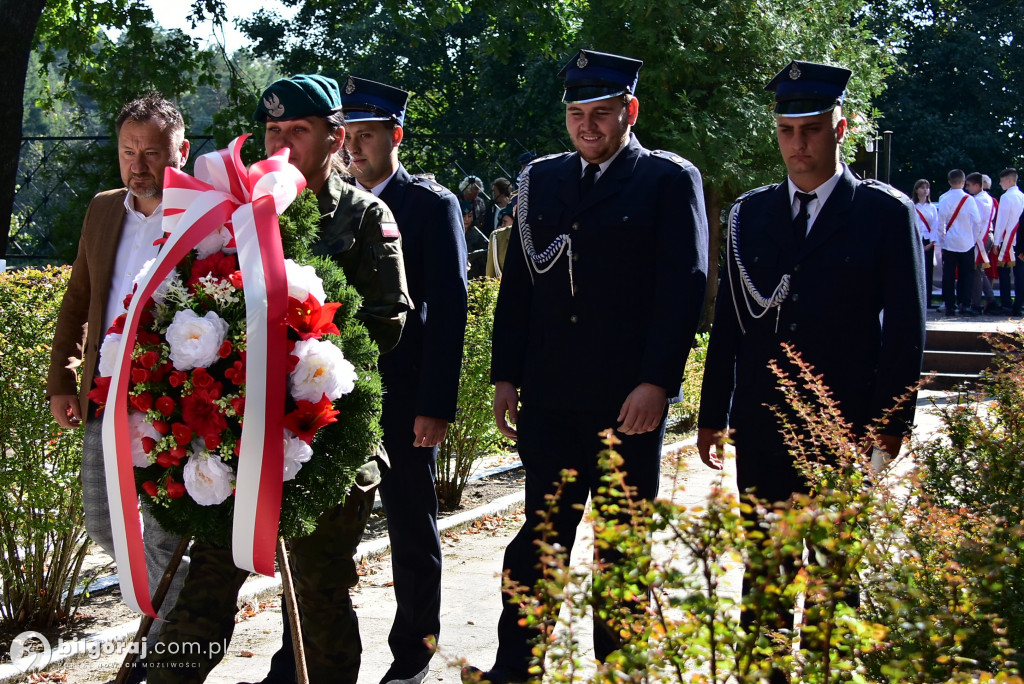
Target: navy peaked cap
592, 75
808, 88
365, 100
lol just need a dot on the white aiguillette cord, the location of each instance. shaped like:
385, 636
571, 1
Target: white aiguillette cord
539, 263
750, 292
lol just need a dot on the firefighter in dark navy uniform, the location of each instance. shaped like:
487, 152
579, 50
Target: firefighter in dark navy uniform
600, 299
830, 264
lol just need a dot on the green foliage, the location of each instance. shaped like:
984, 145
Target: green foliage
935, 554
473, 431
684, 413
42, 533
953, 101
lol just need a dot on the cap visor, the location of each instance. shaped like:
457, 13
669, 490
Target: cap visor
804, 107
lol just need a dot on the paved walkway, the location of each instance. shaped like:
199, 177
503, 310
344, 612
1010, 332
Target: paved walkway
471, 601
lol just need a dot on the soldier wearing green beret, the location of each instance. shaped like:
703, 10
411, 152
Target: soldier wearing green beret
357, 230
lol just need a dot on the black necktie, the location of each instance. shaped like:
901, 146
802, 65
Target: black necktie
800, 220
587, 181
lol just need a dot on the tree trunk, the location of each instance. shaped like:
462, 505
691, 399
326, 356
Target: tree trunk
18, 19
713, 206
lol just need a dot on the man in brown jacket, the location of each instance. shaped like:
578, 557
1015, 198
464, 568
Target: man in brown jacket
118, 233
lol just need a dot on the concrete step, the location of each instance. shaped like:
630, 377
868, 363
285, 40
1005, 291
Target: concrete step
934, 380
965, 362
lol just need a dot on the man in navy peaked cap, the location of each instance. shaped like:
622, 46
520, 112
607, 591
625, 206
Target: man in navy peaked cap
600, 298
421, 375
828, 263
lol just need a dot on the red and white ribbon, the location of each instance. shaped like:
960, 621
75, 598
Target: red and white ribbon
223, 191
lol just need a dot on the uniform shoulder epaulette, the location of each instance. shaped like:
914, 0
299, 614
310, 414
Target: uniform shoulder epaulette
756, 191
426, 180
670, 156
878, 185
549, 157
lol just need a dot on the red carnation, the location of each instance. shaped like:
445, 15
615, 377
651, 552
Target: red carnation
142, 401
309, 417
165, 405
117, 327
175, 490
311, 320
218, 264
150, 488
182, 433
98, 394
200, 413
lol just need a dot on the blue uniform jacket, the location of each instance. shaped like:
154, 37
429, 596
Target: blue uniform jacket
861, 257
639, 268
429, 354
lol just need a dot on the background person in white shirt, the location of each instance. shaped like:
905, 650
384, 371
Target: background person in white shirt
960, 220
982, 284
927, 217
1008, 241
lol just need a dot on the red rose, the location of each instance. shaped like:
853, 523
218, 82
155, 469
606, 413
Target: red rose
178, 453
212, 440
98, 394
309, 417
148, 444
202, 379
140, 375
238, 403
165, 405
161, 427
236, 373
175, 490
182, 433
142, 401
117, 326
148, 359
150, 488
177, 378
127, 301
236, 279
218, 264
225, 349
164, 460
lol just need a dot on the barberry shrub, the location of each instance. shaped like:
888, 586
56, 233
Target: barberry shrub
42, 530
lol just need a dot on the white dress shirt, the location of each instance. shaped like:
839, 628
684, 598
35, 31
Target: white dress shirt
959, 235
986, 212
1011, 204
821, 194
379, 187
928, 225
138, 233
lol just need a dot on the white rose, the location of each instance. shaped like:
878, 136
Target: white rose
208, 480
214, 242
160, 293
139, 427
322, 369
302, 281
195, 341
108, 354
296, 452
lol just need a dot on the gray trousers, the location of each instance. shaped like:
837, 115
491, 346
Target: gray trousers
159, 545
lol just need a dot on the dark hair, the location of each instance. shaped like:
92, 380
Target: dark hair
150, 106
955, 176
974, 178
1010, 171
922, 182
503, 184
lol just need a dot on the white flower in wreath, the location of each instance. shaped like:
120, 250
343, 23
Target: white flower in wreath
108, 354
296, 452
208, 480
160, 293
214, 242
302, 281
139, 427
321, 370
195, 341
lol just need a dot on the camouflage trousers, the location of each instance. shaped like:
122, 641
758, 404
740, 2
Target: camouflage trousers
199, 627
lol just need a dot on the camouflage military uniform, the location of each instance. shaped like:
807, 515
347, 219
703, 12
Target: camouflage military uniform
358, 231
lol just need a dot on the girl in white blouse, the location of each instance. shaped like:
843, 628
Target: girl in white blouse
927, 215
